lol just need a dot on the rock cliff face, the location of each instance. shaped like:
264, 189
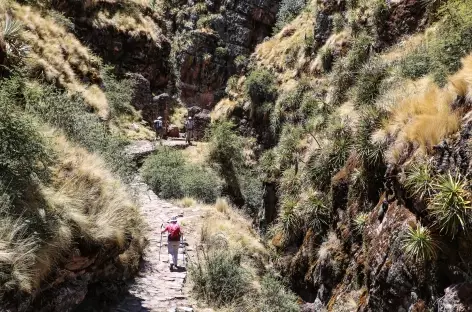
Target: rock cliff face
206, 51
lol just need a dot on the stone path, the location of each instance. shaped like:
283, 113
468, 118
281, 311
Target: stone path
156, 288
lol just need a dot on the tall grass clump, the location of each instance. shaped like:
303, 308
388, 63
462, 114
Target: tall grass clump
217, 276
419, 244
170, 177
451, 206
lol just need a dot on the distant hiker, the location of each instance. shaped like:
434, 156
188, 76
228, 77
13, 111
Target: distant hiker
173, 241
189, 123
158, 127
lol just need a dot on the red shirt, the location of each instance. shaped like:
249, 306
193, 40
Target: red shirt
174, 231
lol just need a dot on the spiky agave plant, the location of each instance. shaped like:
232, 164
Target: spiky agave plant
419, 244
450, 206
10, 40
419, 180
315, 213
289, 222
359, 222
371, 153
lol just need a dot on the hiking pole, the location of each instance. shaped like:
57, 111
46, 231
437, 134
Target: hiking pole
184, 249
160, 245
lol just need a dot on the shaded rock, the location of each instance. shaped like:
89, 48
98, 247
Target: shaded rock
457, 298
202, 121
142, 96
173, 131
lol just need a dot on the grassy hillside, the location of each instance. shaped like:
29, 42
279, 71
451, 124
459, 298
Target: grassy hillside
64, 204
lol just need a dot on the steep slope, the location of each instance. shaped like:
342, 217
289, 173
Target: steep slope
361, 116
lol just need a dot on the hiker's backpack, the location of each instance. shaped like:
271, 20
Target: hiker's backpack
189, 124
174, 232
157, 124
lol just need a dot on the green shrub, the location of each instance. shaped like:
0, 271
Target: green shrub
288, 10
450, 206
241, 61
260, 86
253, 191
217, 276
23, 151
420, 180
288, 147
275, 297
200, 183
419, 244
226, 146
168, 175
221, 52
207, 21
416, 64
119, 93
226, 153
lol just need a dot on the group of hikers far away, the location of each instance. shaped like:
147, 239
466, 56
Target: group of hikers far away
160, 129
174, 239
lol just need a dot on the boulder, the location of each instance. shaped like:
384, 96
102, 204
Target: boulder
202, 121
173, 131
457, 298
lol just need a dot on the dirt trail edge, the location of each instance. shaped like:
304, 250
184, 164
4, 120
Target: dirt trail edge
156, 288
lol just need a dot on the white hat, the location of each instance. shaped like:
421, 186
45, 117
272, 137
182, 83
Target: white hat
189, 117
159, 117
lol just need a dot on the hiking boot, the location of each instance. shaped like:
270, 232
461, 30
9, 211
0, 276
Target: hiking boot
171, 266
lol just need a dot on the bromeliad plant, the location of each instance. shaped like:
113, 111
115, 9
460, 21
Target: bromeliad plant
419, 181
359, 222
419, 244
450, 206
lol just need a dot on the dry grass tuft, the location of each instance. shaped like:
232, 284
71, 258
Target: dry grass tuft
286, 50
224, 222
424, 116
82, 203
131, 22
223, 109
60, 58
222, 205
187, 202
461, 82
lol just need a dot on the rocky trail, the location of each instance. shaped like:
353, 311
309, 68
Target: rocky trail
156, 288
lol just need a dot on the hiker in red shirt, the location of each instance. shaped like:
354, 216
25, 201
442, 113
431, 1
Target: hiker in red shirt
173, 241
